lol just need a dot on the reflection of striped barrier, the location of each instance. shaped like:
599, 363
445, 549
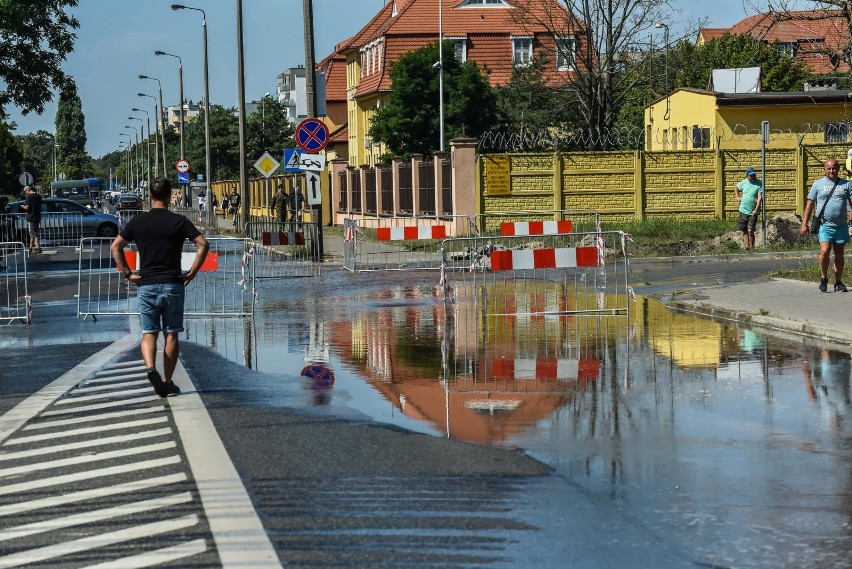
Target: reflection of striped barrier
563, 258
411, 233
508, 229
211, 262
518, 368
283, 238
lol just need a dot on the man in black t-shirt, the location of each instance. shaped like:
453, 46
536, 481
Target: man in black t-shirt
32, 205
159, 235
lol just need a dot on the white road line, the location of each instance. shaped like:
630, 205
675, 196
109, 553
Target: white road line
37, 402
119, 384
72, 398
65, 446
156, 557
240, 537
120, 365
95, 541
115, 378
95, 407
94, 516
83, 495
86, 458
92, 418
86, 431
30, 485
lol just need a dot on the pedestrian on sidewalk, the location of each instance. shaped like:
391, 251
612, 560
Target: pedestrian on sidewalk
830, 195
159, 235
749, 193
234, 202
296, 204
32, 205
278, 207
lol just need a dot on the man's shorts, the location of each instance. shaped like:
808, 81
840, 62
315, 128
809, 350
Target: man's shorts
161, 307
33, 228
838, 234
747, 222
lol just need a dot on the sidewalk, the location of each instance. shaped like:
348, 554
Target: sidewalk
777, 304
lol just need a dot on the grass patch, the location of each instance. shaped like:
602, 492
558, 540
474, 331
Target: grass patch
807, 271
661, 237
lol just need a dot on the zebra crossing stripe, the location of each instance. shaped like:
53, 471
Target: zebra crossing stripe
111, 386
156, 557
86, 459
111, 404
72, 398
108, 379
92, 494
66, 446
94, 516
93, 418
86, 431
96, 541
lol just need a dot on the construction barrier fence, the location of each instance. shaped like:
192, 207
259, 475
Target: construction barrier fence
15, 301
223, 287
55, 229
285, 249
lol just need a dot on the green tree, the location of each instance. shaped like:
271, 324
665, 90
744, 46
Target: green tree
36, 38
11, 159
71, 133
37, 149
528, 102
410, 122
268, 130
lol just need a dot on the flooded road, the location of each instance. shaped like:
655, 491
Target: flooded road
733, 445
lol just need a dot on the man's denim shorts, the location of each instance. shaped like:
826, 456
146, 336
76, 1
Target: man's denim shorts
838, 234
161, 307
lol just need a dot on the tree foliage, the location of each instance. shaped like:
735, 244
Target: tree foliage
70, 124
410, 122
529, 102
11, 158
268, 130
36, 38
37, 150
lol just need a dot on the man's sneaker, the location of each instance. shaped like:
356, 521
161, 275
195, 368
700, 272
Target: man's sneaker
159, 385
173, 389
839, 287
823, 285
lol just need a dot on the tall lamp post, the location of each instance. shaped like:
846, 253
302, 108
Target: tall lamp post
665, 27
208, 171
129, 145
146, 149
162, 116
184, 193
148, 146
123, 147
440, 66
241, 102
136, 159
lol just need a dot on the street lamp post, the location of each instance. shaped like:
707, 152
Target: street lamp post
184, 193
148, 146
136, 159
665, 27
241, 102
129, 146
146, 149
440, 66
208, 171
162, 117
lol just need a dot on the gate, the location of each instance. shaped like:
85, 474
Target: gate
15, 302
223, 287
284, 249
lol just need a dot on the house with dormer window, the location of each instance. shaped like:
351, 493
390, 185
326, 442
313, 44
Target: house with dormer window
484, 31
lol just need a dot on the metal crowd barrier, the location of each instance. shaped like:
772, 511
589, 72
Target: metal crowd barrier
581, 219
284, 249
127, 214
386, 244
15, 301
223, 287
55, 229
539, 275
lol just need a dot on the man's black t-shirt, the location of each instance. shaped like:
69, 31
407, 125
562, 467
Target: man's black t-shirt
159, 235
33, 203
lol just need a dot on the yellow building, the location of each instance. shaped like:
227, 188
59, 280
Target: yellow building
689, 119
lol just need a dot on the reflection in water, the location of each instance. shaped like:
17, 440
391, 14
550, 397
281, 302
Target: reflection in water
232, 338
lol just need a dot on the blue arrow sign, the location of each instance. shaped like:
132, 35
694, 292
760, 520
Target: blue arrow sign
291, 160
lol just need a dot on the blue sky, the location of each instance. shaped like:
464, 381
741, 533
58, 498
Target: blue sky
117, 39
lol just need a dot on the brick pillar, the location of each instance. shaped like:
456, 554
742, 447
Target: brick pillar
377, 176
416, 159
439, 182
362, 176
395, 162
639, 185
337, 166
466, 184
558, 188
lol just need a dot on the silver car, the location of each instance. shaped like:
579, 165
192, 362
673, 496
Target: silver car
65, 220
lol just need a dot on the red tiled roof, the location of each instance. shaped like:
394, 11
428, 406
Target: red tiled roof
334, 69
340, 135
817, 34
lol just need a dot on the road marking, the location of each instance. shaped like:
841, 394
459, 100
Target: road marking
92, 418
86, 431
100, 396
241, 540
96, 541
87, 475
94, 516
111, 378
15, 418
92, 494
106, 387
156, 557
65, 446
86, 458
98, 406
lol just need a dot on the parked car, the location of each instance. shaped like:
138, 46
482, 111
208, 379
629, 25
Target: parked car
129, 202
94, 223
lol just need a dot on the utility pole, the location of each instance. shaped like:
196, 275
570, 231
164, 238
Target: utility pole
311, 92
241, 90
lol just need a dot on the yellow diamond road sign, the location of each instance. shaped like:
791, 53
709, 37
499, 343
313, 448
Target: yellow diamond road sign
266, 164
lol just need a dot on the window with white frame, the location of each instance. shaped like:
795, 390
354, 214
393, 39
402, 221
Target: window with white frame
565, 53
522, 50
459, 48
478, 3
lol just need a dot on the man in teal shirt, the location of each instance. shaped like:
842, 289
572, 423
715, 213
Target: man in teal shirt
749, 193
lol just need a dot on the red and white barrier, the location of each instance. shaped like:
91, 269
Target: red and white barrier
210, 264
563, 258
411, 233
550, 369
524, 228
282, 238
